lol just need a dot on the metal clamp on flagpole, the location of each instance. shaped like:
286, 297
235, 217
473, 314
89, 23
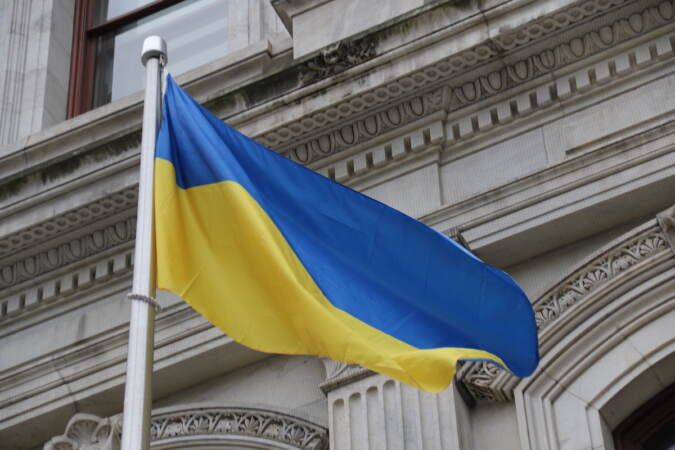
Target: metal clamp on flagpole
138, 388
147, 299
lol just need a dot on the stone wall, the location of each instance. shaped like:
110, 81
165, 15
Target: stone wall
539, 134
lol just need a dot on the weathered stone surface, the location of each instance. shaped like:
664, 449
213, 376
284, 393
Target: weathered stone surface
539, 132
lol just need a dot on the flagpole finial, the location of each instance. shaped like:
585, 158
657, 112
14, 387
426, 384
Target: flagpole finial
154, 47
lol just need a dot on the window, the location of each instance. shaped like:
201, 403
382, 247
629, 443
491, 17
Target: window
651, 427
108, 36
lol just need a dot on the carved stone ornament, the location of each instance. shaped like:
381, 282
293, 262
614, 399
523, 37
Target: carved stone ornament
667, 223
89, 432
338, 374
489, 383
236, 425
433, 89
68, 221
338, 58
50, 259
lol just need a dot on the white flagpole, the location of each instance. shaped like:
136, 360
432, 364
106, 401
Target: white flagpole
138, 389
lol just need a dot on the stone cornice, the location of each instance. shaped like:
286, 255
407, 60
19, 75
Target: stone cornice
418, 143
63, 272
41, 168
16, 174
459, 128
68, 221
67, 253
626, 258
193, 424
436, 87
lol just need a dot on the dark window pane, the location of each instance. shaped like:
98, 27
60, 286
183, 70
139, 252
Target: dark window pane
195, 31
664, 439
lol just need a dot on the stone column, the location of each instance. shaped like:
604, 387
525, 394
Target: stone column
367, 411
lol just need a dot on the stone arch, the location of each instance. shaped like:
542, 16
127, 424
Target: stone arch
203, 426
607, 344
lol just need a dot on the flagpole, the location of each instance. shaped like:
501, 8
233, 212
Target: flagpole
138, 389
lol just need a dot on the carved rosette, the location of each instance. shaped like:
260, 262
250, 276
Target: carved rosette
488, 383
89, 432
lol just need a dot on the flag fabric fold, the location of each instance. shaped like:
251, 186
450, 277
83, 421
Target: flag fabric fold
285, 260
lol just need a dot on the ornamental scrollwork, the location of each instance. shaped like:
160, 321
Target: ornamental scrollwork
69, 252
598, 272
478, 379
68, 221
241, 421
89, 432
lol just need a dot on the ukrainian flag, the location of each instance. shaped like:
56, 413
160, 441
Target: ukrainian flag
284, 260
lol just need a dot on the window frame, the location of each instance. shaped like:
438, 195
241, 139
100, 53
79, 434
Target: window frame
83, 51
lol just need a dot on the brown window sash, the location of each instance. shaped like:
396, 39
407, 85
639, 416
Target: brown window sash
83, 51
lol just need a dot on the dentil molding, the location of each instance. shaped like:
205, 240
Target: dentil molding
435, 88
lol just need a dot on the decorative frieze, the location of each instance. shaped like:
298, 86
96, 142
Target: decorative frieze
46, 292
63, 223
502, 113
67, 253
592, 275
367, 127
89, 432
258, 423
545, 26
431, 89
488, 383
113, 242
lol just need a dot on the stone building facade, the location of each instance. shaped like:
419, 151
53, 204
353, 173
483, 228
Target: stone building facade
540, 134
